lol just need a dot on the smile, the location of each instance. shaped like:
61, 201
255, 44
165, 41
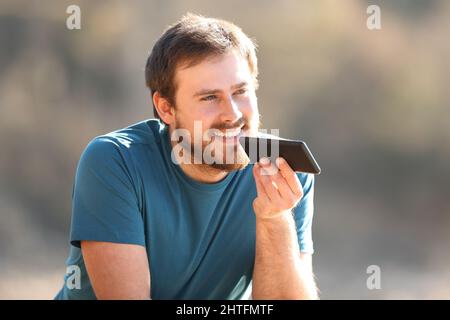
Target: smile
228, 133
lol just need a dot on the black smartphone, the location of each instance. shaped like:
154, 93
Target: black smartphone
295, 152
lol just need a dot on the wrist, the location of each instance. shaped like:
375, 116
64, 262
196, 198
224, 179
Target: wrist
277, 219
279, 231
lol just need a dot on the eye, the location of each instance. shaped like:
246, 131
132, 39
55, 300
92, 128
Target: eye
208, 98
241, 91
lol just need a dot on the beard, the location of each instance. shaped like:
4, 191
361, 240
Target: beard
213, 154
232, 157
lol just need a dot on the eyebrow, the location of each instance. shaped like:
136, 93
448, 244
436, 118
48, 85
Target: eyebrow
213, 91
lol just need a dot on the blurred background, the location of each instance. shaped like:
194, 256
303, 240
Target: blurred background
373, 107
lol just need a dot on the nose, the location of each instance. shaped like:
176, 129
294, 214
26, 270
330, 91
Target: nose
230, 111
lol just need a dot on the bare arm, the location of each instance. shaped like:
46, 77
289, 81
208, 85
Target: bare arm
117, 271
281, 271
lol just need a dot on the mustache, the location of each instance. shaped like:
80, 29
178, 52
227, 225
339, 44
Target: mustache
223, 126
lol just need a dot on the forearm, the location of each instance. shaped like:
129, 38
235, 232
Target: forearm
279, 273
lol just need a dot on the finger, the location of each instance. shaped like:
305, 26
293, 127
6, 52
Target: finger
290, 176
270, 168
283, 186
264, 162
259, 187
286, 195
271, 190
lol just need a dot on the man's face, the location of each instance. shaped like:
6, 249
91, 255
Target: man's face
219, 92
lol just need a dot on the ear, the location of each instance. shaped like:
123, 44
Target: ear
165, 111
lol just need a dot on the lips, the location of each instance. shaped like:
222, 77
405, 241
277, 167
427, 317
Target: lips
229, 135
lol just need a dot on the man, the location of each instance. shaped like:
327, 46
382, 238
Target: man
147, 227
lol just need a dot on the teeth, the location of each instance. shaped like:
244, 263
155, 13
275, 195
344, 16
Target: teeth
228, 134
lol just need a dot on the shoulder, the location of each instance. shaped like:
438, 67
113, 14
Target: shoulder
103, 149
121, 143
143, 132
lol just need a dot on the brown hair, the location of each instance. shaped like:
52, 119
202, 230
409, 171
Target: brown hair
191, 40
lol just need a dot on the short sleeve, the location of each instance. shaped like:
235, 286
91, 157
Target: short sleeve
104, 200
303, 213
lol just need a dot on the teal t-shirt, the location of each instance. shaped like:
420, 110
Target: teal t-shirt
200, 238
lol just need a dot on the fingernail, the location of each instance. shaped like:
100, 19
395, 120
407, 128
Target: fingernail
264, 161
279, 161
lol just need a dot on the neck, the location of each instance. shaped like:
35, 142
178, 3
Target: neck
203, 173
